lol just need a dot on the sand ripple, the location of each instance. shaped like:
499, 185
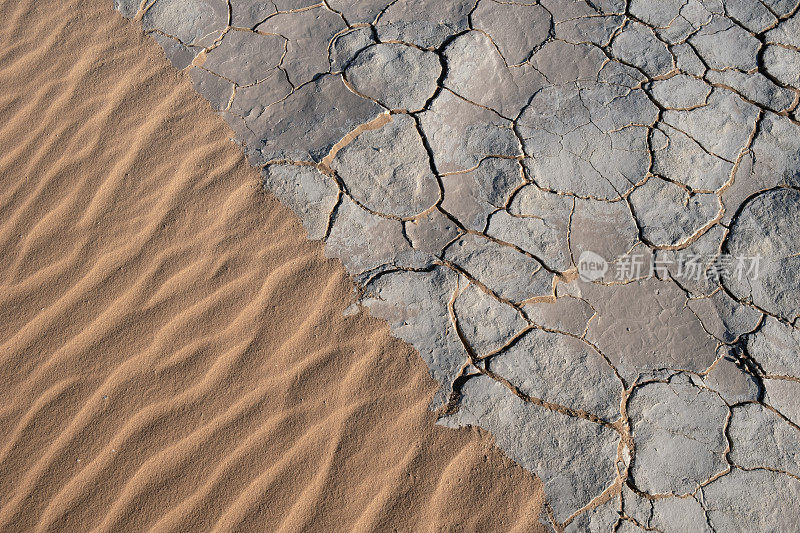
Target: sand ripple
173, 353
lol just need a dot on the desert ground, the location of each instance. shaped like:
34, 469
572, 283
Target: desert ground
400, 265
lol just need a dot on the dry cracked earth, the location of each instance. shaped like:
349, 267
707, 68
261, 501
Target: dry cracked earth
554, 203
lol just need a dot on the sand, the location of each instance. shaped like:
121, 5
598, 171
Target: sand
173, 351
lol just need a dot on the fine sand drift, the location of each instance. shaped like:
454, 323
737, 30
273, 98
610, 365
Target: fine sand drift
173, 352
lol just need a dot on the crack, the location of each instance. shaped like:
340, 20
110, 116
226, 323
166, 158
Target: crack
579, 145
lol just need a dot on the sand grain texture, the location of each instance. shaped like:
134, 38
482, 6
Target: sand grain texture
173, 353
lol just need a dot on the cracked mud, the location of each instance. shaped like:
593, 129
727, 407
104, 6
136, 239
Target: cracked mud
461, 157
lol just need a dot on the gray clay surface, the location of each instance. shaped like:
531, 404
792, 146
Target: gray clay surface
469, 161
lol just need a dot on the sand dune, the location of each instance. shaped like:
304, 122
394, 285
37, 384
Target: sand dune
173, 352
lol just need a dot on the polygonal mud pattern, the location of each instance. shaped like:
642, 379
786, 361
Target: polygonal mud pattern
463, 159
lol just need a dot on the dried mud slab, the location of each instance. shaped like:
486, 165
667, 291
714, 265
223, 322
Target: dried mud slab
583, 215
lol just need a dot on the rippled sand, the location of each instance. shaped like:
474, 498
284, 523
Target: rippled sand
173, 352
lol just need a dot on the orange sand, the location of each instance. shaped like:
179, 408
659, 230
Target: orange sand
173, 353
